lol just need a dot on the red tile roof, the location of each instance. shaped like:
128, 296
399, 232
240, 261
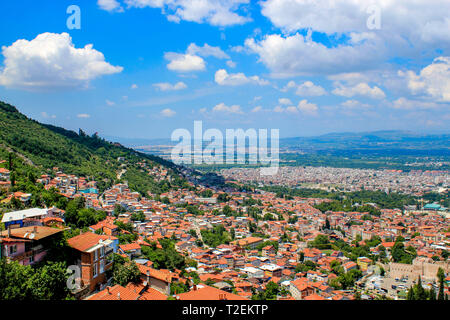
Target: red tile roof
152, 294
130, 247
115, 293
209, 293
314, 297
87, 240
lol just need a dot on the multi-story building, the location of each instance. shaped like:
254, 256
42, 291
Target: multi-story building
27, 245
93, 256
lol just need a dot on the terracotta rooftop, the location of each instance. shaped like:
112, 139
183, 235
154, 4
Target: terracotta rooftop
115, 293
152, 294
32, 232
209, 293
87, 240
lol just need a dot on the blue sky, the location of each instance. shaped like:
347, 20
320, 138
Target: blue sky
158, 65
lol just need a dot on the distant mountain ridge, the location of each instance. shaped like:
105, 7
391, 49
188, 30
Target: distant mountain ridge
370, 141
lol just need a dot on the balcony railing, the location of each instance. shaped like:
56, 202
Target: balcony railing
108, 250
26, 254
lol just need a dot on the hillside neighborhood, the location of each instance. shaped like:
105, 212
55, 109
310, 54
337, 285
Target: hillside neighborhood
206, 243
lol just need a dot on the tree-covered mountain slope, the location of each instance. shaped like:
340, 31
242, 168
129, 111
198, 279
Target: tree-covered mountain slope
46, 146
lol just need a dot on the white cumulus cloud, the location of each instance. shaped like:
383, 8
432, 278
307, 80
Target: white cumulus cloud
361, 89
206, 51
165, 86
223, 78
433, 80
307, 107
222, 107
407, 104
355, 104
184, 62
51, 61
284, 101
110, 5
419, 22
215, 12
307, 88
296, 55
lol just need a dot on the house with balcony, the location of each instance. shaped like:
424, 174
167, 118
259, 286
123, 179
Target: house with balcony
93, 254
27, 245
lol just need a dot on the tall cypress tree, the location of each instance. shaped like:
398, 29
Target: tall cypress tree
421, 294
432, 294
441, 276
410, 294
441, 291
327, 224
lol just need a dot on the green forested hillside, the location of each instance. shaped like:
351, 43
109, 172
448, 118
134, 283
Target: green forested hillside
48, 146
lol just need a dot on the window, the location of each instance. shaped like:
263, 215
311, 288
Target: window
95, 270
102, 266
95, 255
12, 249
31, 260
102, 251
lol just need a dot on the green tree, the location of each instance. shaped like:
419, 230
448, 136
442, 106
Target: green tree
139, 216
420, 293
270, 293
441, 277
432, 294
49, 282
327, 224
321, 242
411, 295
301, 256
232, 233
19, 282
178, 287
126, 273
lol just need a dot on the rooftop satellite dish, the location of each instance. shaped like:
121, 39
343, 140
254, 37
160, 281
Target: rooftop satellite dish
32, 236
